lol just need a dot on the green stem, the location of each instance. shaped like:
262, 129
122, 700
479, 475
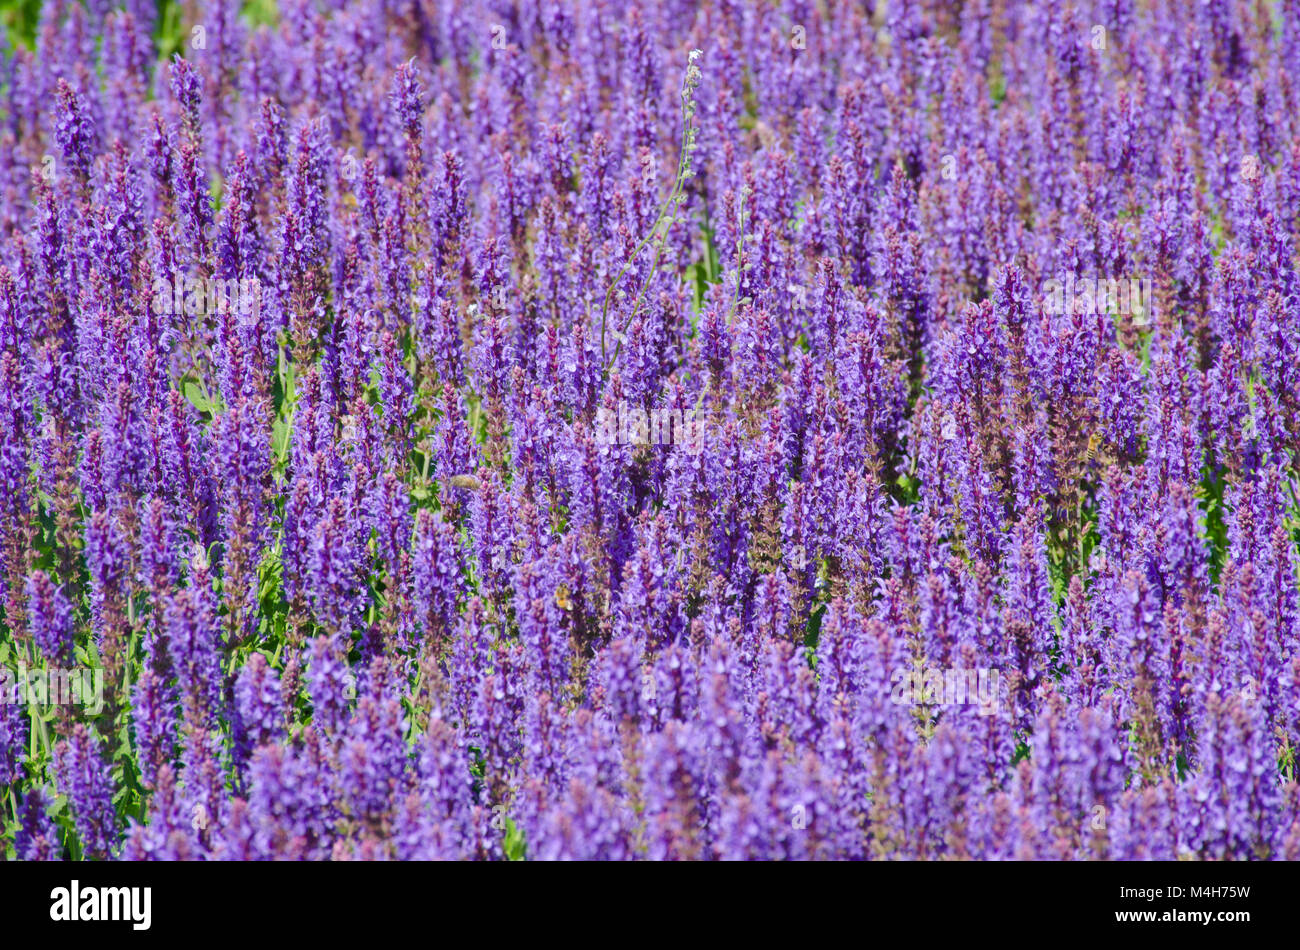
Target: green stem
740, 257
664, 210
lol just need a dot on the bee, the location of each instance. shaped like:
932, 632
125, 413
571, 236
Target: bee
562, 598
465, 481
1094, 443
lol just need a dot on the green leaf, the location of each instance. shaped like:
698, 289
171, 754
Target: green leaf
194, 393
280, 430
514, 845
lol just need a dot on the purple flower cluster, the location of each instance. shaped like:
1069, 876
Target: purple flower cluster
309, 335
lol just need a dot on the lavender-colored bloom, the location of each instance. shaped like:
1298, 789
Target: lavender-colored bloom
437, 573
154, 715
74, 130
259, 706
49, 619
286, 809
407, 99
14, 735
372, 761
80, 774
334, 564
331, 685
36, 837
173, 831
192, 644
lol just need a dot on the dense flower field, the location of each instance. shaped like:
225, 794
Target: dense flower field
593, 429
